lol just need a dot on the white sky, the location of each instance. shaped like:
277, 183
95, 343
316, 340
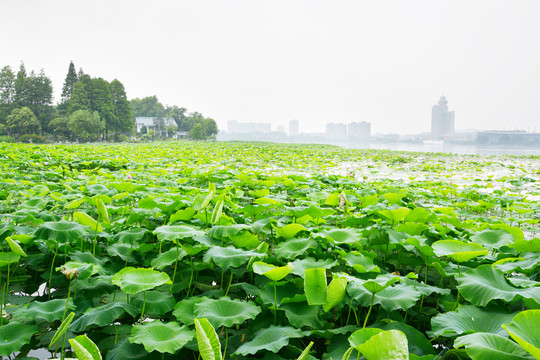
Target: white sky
386, 62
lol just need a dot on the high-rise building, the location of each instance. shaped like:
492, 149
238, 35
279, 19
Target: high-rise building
336, 130
293, 128
359, 129
442, 120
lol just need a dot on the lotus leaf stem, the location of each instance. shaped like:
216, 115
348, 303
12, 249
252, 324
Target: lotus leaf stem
175, 266
226, 343
369, 311
275, 303
50, 273
230, 281
143, 306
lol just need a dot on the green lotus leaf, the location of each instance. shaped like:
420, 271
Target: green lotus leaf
482, 346
378, 284
182, 215
359, 262
122, 250
130, 236
525, 264
226, 257
226, 312
98, 189
342, 236
84, 348
271, 339
62, 329
336, 292
469, 319
418, 215
315, 286
207, 340
392, 298
162, 337
272, 272
176, 232
376, 344
417, 341
484, 284
8, 258
523, 245
15, 248
289, 231
184, 310
426, 289
102, 315
395, 215
524, 329
224, 232
359, 337
61, 231
123, 349
50, 311
133, 281
419, 242
168, 258
300, 266
86, 220
302, 314
493, 239
286, 291
157, 303
102, 211
246, 240
458, 250
14, 335
293, 248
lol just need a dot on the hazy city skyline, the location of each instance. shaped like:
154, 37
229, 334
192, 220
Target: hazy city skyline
386, 63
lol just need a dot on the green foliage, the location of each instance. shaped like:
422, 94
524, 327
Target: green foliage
233, 258
86, 125
22, 121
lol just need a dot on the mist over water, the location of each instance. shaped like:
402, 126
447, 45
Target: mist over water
448, 148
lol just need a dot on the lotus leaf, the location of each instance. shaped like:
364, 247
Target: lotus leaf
481, 346
162, 337
14, 335
300, 266
315, 286
272, 272
61, 231
49, 311
376, 344
172, 233
493, 239
484, 284
226, 312
207, 340
102, 315
301, 314
293, 248
524, 330
400, 296
271, 339
458, 250
469, 319
84, 348
133, 281
289, 231
226, 257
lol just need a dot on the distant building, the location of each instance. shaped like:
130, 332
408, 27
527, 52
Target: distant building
336, 130
359, 129
159, 125
442, 120
293, 128
235, 127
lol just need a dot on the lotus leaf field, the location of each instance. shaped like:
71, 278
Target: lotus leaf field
187, 250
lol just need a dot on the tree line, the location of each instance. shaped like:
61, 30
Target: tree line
89, 109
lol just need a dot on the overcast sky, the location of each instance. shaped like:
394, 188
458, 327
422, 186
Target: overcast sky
317, 61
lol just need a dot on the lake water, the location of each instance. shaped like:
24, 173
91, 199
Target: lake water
448, 148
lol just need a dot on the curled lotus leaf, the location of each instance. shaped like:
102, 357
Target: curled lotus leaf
226, 312
271, 339
133, 281
481, 346
162, 337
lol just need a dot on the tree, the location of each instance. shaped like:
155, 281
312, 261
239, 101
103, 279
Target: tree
178, 114
7, 85
39, 96
20, 86
59, 126
148, 106
79, 98
197, 132
122, 110
67, 89
85, 124
7, 92
101, 101
22, 121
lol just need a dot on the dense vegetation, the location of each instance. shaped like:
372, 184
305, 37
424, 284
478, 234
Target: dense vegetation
89, 109
267, 251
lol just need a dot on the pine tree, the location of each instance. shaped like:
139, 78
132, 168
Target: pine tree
122, 110
69, 82
20, 86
